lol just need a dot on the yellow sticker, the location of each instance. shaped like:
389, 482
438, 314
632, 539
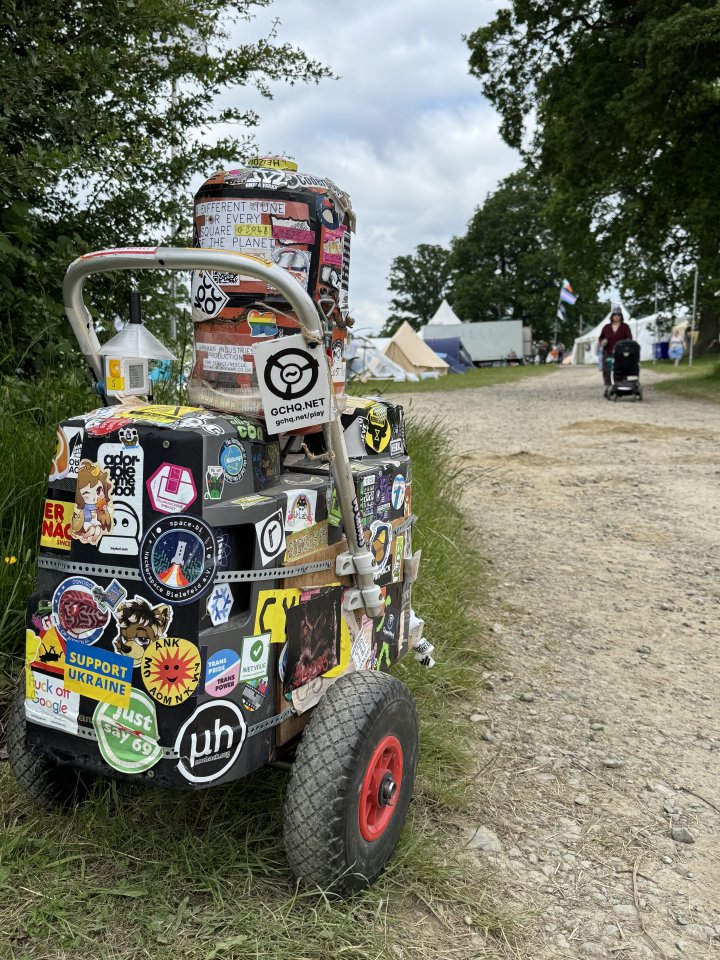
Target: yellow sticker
99, 674
345, 648
115, 383
253, 230
276, 163
271, 609
49, 653
171, 670
306, 541
56, 524
32, 641
158, 413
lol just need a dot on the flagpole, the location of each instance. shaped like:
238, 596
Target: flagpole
557, 311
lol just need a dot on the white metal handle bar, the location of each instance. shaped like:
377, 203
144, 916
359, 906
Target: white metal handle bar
176, 258
173, 258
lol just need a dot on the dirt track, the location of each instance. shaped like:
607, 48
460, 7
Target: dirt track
599, 733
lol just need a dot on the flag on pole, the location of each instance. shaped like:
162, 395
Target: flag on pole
566, 293
561, 313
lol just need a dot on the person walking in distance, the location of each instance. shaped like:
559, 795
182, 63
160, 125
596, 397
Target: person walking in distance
612, 333
676, 346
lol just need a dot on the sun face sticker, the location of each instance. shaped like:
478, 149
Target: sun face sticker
171, 670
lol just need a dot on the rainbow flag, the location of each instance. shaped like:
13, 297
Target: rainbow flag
566, 293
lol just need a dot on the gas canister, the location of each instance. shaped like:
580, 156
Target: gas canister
298, 221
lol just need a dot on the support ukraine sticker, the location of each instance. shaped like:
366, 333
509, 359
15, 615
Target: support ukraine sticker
99, 674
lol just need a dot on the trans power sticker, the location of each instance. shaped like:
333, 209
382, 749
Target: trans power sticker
222, 672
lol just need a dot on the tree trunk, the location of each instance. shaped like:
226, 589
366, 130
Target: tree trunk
708, 332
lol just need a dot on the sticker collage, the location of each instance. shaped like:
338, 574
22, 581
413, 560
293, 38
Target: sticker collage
187, 591
296, 221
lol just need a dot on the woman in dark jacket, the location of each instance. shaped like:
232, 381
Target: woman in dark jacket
612, 333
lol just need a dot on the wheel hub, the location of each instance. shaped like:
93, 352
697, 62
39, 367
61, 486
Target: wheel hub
379, 790
388, 789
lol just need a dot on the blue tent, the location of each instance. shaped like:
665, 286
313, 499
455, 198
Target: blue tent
452, 351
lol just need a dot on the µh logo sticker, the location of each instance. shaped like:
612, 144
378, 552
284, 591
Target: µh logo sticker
210, 741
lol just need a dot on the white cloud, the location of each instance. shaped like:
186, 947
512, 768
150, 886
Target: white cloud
405, 130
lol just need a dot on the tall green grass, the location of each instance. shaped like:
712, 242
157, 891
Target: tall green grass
30, 413
202, 876
699, 382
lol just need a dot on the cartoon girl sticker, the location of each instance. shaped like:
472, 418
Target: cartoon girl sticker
300, 514
93, 507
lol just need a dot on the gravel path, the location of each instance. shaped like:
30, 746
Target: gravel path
598, 802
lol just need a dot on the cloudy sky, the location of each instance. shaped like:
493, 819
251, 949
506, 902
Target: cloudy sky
405, 130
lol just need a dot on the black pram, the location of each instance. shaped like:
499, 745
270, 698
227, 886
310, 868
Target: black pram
625, 371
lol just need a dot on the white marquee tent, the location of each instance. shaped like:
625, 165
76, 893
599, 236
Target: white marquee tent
444, 317
644, 330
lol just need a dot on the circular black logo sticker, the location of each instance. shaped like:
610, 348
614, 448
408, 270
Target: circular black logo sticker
291, 373
210, 741
178, 558
271, 536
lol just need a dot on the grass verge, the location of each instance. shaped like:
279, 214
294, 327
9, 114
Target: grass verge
701, 381
202, 876
479, 377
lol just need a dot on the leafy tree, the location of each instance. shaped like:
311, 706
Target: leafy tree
105, 118
419, 283
617, 103
508, 264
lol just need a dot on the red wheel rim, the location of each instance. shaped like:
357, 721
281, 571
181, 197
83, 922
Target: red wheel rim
380, 788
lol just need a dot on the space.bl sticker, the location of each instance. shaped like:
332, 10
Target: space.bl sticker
178, 558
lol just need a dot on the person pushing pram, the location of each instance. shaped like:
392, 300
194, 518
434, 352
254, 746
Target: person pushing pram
612, 333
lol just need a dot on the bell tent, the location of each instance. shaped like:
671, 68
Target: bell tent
408, 350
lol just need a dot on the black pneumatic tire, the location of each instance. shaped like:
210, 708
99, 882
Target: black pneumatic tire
48, 784
323, 836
